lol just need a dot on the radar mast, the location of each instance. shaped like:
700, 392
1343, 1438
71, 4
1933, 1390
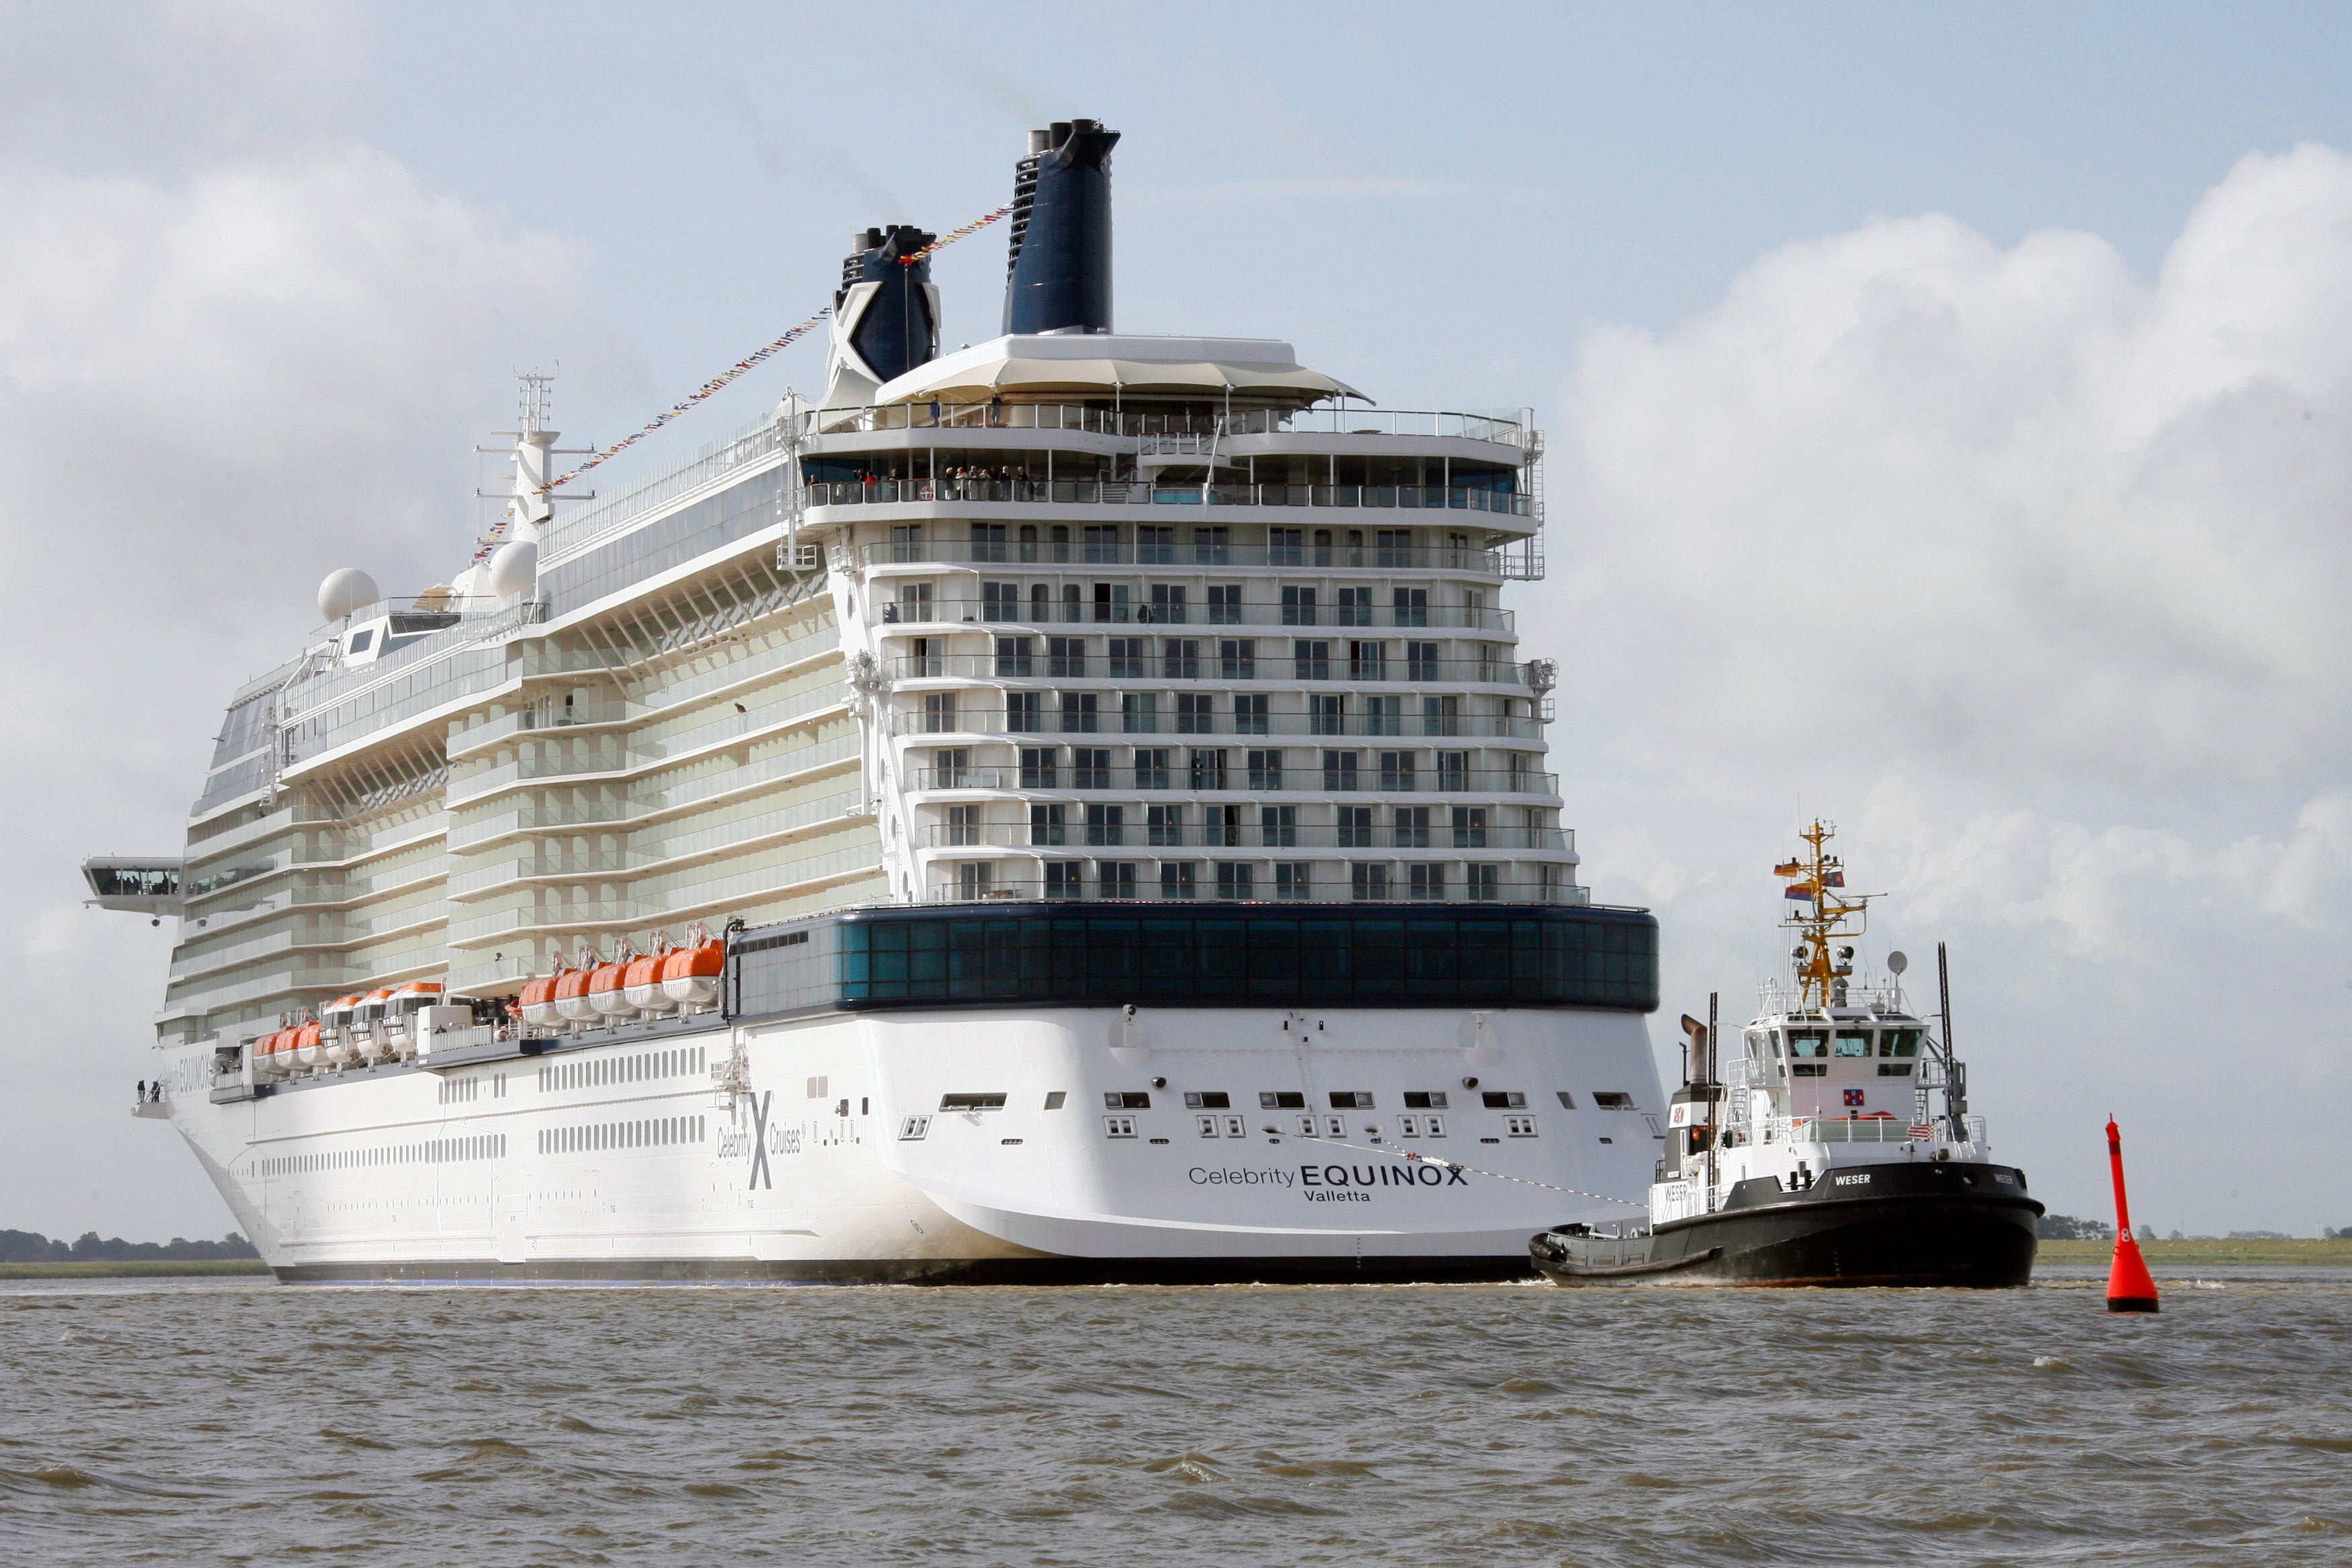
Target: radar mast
1820, 975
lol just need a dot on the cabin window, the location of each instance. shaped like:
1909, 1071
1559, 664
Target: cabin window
1853, 1042
1899, 1042
1808, 1043
360, 640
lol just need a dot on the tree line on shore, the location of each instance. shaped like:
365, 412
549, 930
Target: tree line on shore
32, 1246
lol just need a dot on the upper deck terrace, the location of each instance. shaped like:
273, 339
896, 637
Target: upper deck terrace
1160, 439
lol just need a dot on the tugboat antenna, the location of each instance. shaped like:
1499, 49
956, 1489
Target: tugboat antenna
1956, 1080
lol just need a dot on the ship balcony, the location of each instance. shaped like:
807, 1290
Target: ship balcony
1045, 781
1288, 671
1332, 557
550, 718
808, 709
1250, 835
781, 772
338, 935
325, 896
544, 719
298, 980
350, 849
925, 618
993, 724
741, 837
718, 896
367, 890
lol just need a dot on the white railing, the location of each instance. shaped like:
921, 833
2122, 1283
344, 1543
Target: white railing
1146, 424
1825, 1130
711, 462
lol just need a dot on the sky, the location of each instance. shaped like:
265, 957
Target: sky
1947, 415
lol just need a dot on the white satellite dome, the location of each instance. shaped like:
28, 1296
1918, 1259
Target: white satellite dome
514, 568
345, 593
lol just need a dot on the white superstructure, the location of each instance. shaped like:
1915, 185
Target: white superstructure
1117, 791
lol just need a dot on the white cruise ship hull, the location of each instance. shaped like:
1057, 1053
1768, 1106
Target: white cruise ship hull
619, 1160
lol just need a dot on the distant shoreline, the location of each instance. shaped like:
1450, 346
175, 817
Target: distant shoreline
2298, 1250
150, 1268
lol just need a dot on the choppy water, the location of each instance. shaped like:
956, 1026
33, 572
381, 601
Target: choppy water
244, 1423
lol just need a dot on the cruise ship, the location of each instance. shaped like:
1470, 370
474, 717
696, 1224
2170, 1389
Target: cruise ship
1071, 808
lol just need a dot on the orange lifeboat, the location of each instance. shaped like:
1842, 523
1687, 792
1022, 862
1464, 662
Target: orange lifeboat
641, 982
570, 996
538, 1001
265, 1052
605, 995
689, 976
310, 1035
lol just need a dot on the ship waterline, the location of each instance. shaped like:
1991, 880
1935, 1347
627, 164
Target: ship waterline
1076, 807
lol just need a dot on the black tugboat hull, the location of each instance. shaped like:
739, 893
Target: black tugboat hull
1917, 1225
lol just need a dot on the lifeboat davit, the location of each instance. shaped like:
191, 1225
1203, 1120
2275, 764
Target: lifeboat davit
364, 1036
572, 996
605, 995
641, 982
689, 976
538, 1001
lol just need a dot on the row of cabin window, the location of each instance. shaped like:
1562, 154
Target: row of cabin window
647, 1132
951, 463
1238, 880
1090, 767
1193, 712
1221, 658
431, 1152
1276, 827
645, 1066
1170, 603
1210, 545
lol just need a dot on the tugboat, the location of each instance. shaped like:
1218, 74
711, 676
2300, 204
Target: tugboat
1812, 1157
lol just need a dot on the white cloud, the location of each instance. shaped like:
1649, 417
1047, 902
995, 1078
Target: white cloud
2034, 574
236, 348
1991, 506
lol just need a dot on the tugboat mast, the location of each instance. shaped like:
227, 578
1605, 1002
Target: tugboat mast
1820, 977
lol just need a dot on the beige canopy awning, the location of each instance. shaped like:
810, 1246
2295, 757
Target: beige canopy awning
975, 376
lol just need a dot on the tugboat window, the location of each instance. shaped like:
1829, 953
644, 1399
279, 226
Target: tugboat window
1853, 1042
1898, 1043
1808, 1043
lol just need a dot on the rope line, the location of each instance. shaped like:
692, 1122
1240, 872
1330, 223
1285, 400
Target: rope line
974, 226
724, 378
1444, 1165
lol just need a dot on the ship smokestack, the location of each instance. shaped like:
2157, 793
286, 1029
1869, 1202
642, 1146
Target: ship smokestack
897, 328
1058, 277
886, 314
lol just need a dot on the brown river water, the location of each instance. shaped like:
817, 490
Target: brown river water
241, 1422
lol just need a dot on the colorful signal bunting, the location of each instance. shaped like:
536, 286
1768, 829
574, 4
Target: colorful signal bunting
974, 226
719, 382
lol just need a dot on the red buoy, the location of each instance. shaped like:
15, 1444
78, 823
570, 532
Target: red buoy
2129, 1288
